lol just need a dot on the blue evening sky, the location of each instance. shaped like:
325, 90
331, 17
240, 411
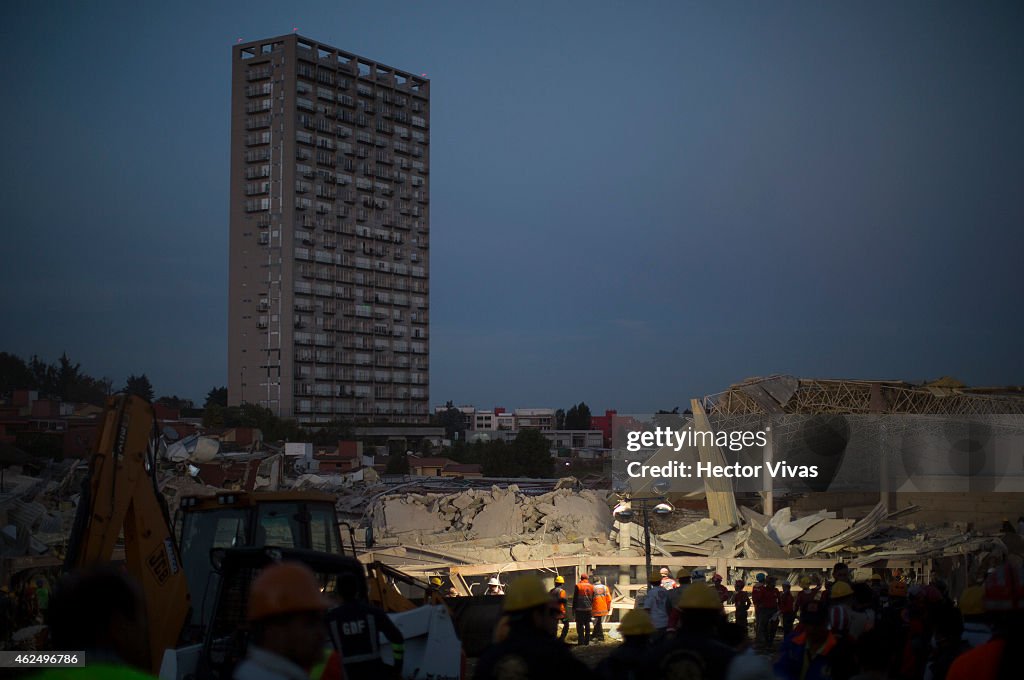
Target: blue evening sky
633, 203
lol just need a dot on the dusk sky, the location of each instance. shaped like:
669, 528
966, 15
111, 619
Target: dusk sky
632, 203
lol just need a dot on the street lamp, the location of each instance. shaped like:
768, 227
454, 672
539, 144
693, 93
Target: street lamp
624, 513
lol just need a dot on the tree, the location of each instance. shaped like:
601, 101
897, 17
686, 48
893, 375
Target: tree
578, 417
175, 402
529, 455
398, 464
14, 374
217, 396
560, 419
140, 386
332, 433
452, 421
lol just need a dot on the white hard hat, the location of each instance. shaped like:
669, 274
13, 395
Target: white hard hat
494, 581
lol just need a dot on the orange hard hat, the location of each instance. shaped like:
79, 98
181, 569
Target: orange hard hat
285, 588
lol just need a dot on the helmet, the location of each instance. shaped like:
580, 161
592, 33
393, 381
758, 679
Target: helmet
559, 579
435, 580
840, 590
655, 577
1004, 589
526, 592
636, 622
805, 581
285, 588
876, 577
717, 578
898, 589
584, 577
740, 583
664, 571
972, 601
699, 596
683, 573
494, 581
761, 577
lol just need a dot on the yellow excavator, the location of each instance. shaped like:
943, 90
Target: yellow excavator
181, 573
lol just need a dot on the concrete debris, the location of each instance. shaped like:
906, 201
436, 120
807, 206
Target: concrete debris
783, 530
694, 534
757, 545
827, 528
529, 527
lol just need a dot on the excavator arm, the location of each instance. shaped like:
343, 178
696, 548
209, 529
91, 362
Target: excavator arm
121, 498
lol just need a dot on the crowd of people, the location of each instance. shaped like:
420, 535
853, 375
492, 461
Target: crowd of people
832, 629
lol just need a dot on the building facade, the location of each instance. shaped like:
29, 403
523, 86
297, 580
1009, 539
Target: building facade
329, 235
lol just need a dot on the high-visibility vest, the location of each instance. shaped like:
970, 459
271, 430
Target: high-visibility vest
602, 600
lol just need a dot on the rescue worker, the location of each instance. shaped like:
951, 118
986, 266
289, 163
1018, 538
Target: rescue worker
355, 628
806, 594
723, 592
560, 597
42, 595
666, 579
787, 609
1002, 657
629, 661
814, 653
286, 621
684, 577
434, 594
845, 616
100, 611
766, 606
977, 631
494, 587
656, 603
602, 607
741, 600
583, 609
530, 650
694, 651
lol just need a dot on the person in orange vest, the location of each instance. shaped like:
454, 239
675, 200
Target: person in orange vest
583, 608
602, 607
1002, 657
667, 582
558, 594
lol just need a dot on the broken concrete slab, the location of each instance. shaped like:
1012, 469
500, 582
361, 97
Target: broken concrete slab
695, 533
827, 528
759, 546
784, 531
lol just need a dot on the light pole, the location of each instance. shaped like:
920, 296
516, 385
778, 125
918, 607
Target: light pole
624, 513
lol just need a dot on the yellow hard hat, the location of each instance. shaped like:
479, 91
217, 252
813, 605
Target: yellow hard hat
683, 573
805, 581
972, 601
841, 589
655, 577
435, 580
636, 622
285, 588
526, 592
559, 579
699, 596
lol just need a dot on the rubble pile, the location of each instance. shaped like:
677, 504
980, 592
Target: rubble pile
562, 522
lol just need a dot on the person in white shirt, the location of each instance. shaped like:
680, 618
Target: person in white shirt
656, 603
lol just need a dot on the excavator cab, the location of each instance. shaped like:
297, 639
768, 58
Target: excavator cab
304, 520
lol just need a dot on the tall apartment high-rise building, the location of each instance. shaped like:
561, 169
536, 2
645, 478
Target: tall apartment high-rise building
329, 249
